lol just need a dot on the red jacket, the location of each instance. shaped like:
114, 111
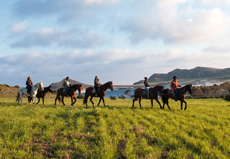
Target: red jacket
174, 85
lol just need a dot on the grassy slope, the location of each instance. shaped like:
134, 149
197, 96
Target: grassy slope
28, 131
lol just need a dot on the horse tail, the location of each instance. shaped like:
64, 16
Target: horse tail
17, 97
85, 100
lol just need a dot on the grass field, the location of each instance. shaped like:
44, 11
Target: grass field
115, 131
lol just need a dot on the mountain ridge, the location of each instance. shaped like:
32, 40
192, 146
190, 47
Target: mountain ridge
188, 74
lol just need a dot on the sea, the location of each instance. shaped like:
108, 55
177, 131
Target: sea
121, 92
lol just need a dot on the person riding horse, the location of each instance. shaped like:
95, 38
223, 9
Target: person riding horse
66, 84
29, 84
147, 86
97, 85
174, 86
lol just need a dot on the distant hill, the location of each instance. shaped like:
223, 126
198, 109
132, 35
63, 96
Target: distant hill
198, 73
57, 85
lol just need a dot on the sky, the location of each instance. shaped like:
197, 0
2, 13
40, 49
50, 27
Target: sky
117, 40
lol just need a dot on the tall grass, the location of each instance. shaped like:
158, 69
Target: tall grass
115, 131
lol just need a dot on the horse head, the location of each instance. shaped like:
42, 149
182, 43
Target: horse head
110, 85
50, 89
79, 88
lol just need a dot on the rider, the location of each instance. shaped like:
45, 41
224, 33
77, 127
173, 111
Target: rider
147, 86
96, 85
174, 86
66, 84
29, 84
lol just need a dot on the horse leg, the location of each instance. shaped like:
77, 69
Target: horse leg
34, 100
85, 100
167, 102
29, 100
42, 100
181, 105
103, 101
140, 101
63, 100
158, 103
91, 100
185, 105
134, 101
74, 100
20, 99
38, 100
151, 103
99, 102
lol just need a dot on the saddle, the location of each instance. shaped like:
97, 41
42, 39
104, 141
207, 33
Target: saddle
94, 90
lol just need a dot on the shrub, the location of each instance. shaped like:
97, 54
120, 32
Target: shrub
227, 97
113, 97
17, 86
80, 96
6, 85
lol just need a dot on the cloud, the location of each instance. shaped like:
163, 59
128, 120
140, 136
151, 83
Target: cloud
18, 28
123, 66
224, 47
170, 3
172, 26
68, 38
67, 10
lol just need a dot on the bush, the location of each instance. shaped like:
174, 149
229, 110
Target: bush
227, 97
17, 86
80, 96
6, 85
113, 97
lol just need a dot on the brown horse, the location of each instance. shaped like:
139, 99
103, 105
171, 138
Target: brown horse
168, 93
139, 93
41, 94
71, 92
101, 93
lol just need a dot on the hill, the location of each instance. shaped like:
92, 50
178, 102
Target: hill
57, 85
196, 75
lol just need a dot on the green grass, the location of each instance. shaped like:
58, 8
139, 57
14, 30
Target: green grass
115, 131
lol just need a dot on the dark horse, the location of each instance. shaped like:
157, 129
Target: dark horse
101, 93
41, 94
71, 92
168, 93
139, 93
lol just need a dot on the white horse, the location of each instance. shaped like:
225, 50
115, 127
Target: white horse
23, 91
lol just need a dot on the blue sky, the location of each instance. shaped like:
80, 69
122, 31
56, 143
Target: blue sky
118, 40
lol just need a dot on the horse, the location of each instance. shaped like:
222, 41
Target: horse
23, 91
139, 93
168, 93
71, 92
101, 93
42, 93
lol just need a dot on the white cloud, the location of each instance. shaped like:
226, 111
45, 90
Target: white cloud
114, 64
90, 2
224, 47
171, 27
18, 28
170, 3
67, 38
